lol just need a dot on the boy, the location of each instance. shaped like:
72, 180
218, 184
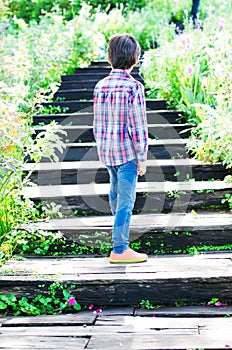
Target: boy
120, 131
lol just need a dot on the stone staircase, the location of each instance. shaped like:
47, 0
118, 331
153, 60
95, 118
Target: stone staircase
178, 207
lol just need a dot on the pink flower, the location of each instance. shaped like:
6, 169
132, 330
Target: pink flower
208, 304
97, 311
71, 301
189, 69
31, 204
184, 39
91, 306
225, 304
221, 24
218, 303
227, 345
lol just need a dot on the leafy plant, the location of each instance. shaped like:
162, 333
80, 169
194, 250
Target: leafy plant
15, 146
227, 199
56, 300
174, 194
228, 179
32, 70
54, 109
216, 302
34, 10
192, 71
146, 304
176, 233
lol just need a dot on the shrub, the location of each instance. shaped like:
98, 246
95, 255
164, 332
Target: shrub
34, 57
193, 72
33, 10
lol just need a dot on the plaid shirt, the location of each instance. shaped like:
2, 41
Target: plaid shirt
120, 125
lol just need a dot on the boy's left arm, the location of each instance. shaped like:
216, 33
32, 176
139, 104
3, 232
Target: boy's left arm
138, 124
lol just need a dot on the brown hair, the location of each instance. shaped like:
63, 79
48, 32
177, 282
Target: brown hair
123, 51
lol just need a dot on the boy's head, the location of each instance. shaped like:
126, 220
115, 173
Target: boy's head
123, 51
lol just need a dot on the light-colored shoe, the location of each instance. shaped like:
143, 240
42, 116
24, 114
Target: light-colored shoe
129, 256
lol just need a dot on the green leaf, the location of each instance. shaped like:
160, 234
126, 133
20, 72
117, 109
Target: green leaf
66, 294
8, 298
3, 306
12, 297
77, 306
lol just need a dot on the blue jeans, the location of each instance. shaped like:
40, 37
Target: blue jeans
122, 196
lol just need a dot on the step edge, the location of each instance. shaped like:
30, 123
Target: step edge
97, 164
86, 190
157, 111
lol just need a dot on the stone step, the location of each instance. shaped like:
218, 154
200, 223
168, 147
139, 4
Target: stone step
84, 133
99, 63
106, 69
152, 197
87, 151
81, 84
74, 94
164, 280
174, 232
88, 317
87, 106
50, 173
120, 327
94, 75
153, 117
183, 311
146, 223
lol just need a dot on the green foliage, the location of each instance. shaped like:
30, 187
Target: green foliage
193, 72
33, 10
227, 199
176, 233
54, 109
146, 304
17, 143
30, 240
211, 140
181, 72
147, 25
176, 11
34, 57
216, 302
56, 300
135, 245
207, 248
228, 179
34, 242
174, 194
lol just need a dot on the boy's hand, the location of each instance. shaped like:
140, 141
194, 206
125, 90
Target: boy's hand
142, 167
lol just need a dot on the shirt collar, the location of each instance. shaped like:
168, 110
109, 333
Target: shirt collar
120, 72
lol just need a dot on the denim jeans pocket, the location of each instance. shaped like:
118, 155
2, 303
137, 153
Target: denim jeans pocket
131, 165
